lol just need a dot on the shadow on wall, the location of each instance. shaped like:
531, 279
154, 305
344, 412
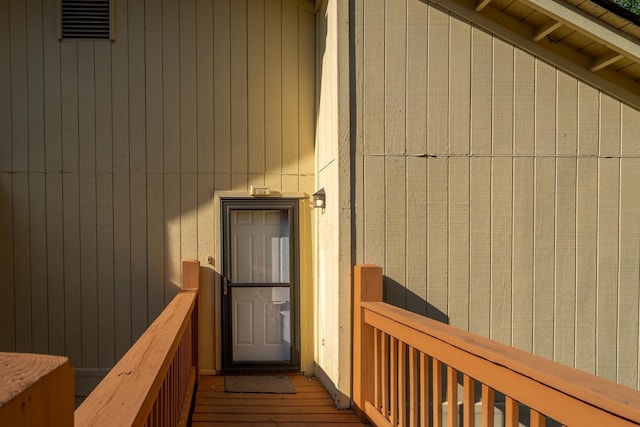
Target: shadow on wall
7, 332
399, 296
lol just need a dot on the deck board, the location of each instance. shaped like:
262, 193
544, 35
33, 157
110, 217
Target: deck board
310, 406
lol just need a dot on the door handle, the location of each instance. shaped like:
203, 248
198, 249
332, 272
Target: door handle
225, 285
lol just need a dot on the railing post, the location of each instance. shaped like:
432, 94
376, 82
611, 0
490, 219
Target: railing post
367, 287
191, 282
36, 390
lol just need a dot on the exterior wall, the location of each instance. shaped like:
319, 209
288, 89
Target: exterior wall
333, 224
110, 153
499, 193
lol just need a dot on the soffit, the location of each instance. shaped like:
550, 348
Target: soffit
595, 39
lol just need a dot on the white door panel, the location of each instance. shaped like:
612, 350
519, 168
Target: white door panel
260, 316
260, 246
261, 324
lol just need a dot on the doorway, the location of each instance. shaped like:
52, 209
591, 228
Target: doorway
260, 285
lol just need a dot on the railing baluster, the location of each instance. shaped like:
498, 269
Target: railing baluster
393, 379
452, 397
537, 419
384, 380
413, 387
437, 393
425, 385
511, 412
377, 369
488, 403
402, 384
468, 404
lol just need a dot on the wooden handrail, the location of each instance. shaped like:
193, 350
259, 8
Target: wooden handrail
383, 333
153, 383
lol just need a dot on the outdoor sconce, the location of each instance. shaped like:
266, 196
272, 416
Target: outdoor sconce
319, 199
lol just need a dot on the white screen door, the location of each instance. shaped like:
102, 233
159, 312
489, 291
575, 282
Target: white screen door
258, 286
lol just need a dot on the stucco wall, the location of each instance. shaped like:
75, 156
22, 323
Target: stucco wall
499, 193
110, 153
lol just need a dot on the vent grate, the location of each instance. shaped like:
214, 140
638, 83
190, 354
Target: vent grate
86, 19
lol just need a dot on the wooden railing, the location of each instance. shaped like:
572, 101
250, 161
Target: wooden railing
407, 368
153, 383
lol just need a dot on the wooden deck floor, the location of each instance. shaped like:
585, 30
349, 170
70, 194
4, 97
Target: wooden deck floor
310, 406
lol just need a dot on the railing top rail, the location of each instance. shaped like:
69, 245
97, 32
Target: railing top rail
129, 388
594, 391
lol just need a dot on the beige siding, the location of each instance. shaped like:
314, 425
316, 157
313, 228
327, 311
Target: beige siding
110, 153
521, 222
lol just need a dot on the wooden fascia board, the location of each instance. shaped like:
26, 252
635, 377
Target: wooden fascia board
588, 25
556, 54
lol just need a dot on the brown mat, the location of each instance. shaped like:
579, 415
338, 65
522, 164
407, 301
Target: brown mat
258, 384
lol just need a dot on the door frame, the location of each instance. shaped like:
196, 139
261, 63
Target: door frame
252, 203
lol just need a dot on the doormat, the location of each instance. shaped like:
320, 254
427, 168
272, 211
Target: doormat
258, 384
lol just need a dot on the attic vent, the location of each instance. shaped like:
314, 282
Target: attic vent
86, 19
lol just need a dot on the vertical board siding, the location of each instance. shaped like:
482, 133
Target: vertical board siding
501, 249
136, 64
38, 246
55, 263
188, 87
35, 85
416, 80
120, 92
543, 299
416, 275
459, 241
306, 111
628, 292
565, 262
239, 103
72, 260
395, 76
522, 274
111, 152
521, 222
5, 87
105, 278
438, 82
437, 237
7, 292
19, 86
395, 229
373, 96
256, 84
88, 269
480, 245
221, 87
276, 67
608, 266
22, 262
122, 273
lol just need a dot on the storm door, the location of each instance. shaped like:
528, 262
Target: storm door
260, 285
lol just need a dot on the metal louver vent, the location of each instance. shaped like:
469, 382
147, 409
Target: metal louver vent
86, 19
